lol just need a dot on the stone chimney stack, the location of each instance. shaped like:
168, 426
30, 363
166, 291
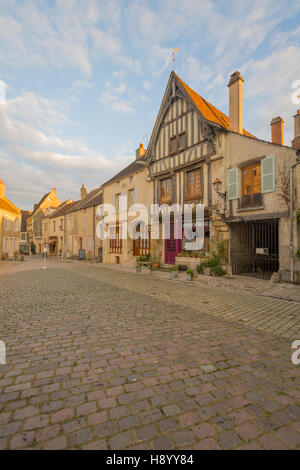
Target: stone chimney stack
296, 140
235, 86
277, 130
83, 192
140, 152
2, 189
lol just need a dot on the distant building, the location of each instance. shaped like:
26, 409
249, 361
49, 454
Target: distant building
80, 226
53, 228
35, 220
10, 224
24, 241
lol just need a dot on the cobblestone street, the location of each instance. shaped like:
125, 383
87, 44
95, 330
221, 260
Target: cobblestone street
103, 359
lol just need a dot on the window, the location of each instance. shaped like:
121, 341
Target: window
130, 179
131, 197
177, 142
165, 192
173, 144
251, 185
70, 223
84, 224
54, 225
193, 184
61, 227
115, 239
181, 140
23, 236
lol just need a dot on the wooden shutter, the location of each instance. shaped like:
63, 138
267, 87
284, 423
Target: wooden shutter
233, 184
268, 174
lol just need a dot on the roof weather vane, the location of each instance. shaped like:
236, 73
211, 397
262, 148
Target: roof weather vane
173, 56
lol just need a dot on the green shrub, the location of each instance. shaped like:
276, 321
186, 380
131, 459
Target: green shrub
298, 253
174, 268
200, 268
189, 271
210, 262
218, 271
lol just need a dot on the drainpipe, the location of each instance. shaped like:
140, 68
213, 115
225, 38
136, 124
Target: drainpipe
292, 220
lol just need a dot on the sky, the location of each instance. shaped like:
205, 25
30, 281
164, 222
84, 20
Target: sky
81, 81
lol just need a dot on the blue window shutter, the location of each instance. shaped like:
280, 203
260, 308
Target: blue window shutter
268, 174
233, 184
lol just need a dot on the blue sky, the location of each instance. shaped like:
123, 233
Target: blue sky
84, 79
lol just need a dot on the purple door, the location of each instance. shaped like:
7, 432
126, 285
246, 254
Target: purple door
172, 246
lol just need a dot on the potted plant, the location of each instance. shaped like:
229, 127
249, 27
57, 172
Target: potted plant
189, 274
298, 253
174, 271
138, 268
218, 271
155, 262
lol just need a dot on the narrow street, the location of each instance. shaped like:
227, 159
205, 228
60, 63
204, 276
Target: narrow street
103, 359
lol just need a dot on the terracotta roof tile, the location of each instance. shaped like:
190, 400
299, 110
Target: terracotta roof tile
208, 111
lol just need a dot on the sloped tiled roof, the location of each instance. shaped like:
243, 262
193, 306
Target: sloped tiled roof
60, 210
9, 206
72, 206
36, 206
94, 197
127, 171
208, 111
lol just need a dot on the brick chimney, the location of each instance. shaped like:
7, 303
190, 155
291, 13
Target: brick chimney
296, 140
140, 152
235, 86
277, 130
83, 192
2, 189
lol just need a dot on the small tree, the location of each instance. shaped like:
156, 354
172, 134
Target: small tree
284, 186
32, 248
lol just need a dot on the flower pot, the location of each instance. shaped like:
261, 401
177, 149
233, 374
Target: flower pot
189, 277
174, 274
155, 265
138, 269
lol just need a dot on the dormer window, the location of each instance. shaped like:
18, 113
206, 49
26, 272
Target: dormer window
173, 144
181, 140
177, 142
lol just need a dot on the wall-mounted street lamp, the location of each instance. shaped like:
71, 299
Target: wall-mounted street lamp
217, 184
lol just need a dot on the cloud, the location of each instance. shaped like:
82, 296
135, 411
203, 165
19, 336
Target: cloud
34, 158
111, 98
147, 85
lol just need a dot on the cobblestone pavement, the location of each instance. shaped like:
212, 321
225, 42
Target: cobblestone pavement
102, 359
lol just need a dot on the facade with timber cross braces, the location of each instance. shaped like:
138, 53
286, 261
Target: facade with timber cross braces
197, 154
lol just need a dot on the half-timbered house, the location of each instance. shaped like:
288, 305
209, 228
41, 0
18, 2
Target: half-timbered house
194, 149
